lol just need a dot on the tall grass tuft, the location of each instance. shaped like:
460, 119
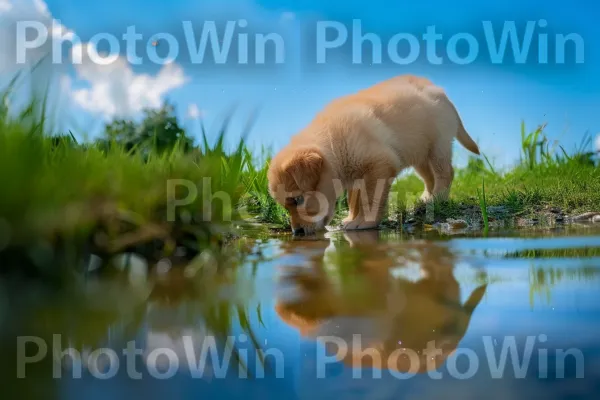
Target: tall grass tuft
530, 142
67, 197
258, 201
483, 207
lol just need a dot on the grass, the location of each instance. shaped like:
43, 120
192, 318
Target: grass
483, 207
62, 198
257, 202
545, 179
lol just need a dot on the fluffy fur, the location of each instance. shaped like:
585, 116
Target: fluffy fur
360, 143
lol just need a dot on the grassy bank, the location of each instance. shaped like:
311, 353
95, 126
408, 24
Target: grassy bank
548, 183
63, 201
148, 188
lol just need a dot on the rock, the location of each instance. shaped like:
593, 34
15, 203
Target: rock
497, 210
596, 218
94, 263
589, 216
555, 210
457, 223
526, 222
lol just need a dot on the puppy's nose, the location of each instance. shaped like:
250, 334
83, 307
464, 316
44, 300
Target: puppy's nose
298, 232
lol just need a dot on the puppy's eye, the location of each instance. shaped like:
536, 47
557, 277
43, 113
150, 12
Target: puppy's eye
294, 201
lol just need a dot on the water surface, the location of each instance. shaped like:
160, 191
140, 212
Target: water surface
374, 314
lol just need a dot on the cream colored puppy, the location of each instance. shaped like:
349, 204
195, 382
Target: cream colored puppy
360, 143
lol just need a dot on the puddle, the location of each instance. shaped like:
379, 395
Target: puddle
374, 314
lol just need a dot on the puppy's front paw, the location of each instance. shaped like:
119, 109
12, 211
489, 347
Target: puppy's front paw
426, 197
350, 224
359, 223
347, 220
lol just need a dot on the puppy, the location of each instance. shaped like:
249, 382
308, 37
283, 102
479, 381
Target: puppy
360, 143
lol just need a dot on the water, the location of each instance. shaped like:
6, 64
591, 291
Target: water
374, 315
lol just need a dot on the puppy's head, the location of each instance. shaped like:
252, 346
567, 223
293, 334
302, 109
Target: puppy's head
301, 180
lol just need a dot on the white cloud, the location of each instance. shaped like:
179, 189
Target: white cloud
26, 10
108, 90
194, 112
41, 7
115, 90
57, 29
5, 5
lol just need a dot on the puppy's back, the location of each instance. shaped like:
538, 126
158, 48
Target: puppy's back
403, 110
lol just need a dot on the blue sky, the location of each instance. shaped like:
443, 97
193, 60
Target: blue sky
491, 98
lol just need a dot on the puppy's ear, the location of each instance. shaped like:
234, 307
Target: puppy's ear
305, 167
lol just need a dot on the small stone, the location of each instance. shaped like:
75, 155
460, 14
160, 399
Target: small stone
94, 263
589, 216
596, 218
163, 266
457, 223
180, 251
497, 210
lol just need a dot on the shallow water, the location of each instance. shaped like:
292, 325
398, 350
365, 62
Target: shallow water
357, 315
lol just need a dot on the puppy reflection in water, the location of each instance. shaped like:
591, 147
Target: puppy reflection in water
365, 292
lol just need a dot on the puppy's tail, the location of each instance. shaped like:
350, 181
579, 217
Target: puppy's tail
461, 135
463, 138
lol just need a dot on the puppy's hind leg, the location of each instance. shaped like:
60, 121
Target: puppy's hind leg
426, 173
443, 172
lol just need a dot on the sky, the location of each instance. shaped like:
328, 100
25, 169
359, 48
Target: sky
492, 92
